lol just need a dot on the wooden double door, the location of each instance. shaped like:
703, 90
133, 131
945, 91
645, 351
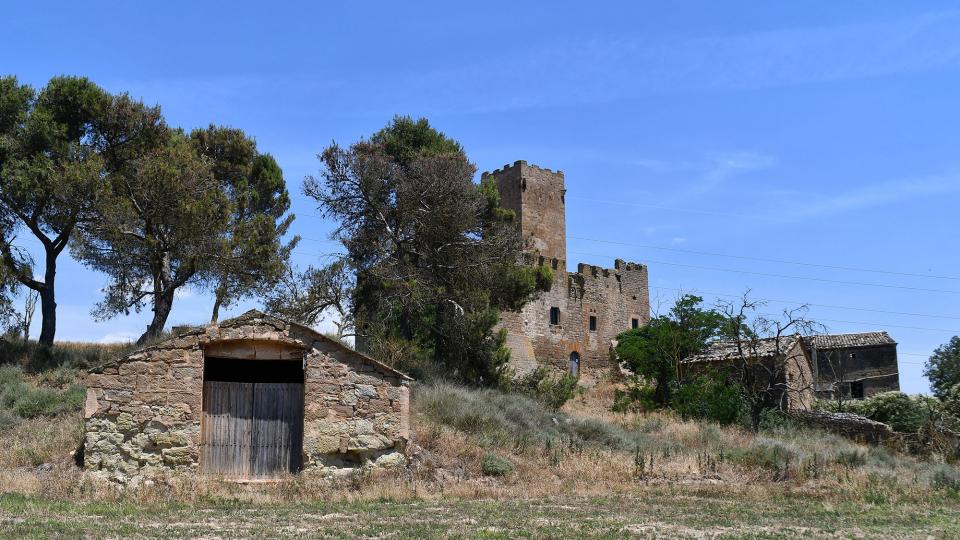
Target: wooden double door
251, 429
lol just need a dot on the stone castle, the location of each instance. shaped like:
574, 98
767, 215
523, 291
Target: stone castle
572, 326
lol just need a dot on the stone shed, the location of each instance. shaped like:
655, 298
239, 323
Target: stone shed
249, 398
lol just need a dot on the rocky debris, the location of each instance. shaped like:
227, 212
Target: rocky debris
852, 426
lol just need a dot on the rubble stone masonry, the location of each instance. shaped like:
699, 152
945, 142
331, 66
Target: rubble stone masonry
143, 412
614, 299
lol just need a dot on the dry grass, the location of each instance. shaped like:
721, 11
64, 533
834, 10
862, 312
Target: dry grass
637, 474
41, 440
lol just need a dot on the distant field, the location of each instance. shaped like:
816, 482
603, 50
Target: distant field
657, 511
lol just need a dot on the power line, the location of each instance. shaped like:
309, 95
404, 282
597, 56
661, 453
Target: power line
787, 276
762, 259
831, 306
875, 325
659, 207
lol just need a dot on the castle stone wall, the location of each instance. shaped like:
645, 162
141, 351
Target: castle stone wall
615, 297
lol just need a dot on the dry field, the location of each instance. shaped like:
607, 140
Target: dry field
584, 473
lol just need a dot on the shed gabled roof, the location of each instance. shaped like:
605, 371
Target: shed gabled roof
849, 341
255, 318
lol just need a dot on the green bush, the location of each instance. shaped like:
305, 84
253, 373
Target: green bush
903, 413
710, 396
20, 400
637, 396
551, 391
494, 465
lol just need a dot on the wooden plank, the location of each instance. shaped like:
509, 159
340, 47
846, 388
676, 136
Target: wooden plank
227, 422
277, 428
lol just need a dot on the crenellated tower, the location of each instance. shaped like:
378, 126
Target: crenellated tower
537, 196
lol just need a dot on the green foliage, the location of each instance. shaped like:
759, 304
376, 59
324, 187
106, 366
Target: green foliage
552, 391
654, 351
902, 412
636, 396
435, 259
710, 396
765, 453
494, 465
406, 140
146, 237
51, 174
943, 368
258, 202
21, 400
62, 358
946, 477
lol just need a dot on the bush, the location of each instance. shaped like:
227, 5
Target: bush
710, 396
637, 396
765, 453
20, 400
903, 413
500, 419
946, 477
494, 465
550, 390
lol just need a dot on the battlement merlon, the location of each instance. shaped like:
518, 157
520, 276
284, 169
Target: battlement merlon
520, 163
619, 267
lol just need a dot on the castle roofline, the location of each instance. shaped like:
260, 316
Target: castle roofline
520, 163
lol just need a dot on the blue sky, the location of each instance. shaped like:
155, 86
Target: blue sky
820, 133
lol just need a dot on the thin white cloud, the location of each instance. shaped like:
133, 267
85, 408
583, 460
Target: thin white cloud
601, 70
871, 195
119, 337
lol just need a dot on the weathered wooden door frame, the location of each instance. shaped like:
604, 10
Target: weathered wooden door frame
296, 463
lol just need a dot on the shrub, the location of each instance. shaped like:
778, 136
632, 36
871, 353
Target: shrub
499, 418
494, 465
550, 390
946, 477
765, 453
903, 413
710, 396
636, 396
20, 400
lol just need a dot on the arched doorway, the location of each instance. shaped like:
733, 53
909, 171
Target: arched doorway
575, 364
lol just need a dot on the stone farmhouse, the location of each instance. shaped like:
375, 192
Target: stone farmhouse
572, 326
856, 365
784, 361
249, 398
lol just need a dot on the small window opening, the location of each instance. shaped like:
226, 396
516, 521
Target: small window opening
554, 315
593, 323
634, 323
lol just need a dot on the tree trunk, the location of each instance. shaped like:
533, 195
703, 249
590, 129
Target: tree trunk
48, 301
217, 302
162, 304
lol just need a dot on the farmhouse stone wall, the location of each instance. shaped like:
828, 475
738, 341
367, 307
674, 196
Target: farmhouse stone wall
144, 411
852, 426
614, 297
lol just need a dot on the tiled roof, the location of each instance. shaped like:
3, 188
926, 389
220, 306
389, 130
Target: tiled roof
727, 350
847, 341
